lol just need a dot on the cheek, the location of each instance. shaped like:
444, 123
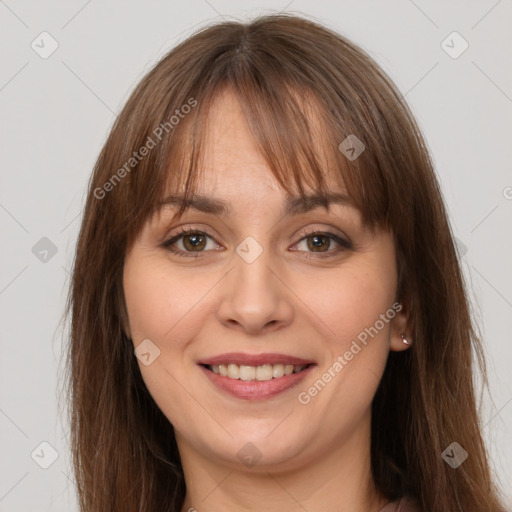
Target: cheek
350, 300
158, 301
352, 304
160, 307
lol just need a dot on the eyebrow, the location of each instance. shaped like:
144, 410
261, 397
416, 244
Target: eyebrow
293, 205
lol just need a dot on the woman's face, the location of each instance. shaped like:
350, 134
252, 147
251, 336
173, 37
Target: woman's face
252, 291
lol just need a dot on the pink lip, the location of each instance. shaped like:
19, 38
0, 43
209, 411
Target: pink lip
253, 359
254, 389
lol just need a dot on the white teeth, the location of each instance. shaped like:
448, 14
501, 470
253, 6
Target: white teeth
247, 372
233, 371
264, 372
260, 373
277, 370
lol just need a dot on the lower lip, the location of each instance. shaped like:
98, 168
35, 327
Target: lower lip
255, 389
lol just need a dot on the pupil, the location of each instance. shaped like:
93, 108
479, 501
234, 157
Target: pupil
194, 241
319, 242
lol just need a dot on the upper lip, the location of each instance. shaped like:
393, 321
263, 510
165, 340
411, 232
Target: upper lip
240, 358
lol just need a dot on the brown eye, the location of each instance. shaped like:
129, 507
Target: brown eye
194, 242
317, 243
190, 242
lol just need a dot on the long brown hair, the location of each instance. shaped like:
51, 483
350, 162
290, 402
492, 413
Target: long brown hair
124, 450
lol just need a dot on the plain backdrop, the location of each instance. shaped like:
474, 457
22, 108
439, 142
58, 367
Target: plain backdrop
57, 109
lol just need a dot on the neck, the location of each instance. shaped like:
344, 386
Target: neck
338, 480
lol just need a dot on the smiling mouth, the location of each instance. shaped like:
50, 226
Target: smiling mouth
261, 373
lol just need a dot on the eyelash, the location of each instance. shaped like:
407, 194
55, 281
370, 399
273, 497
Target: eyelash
343, 244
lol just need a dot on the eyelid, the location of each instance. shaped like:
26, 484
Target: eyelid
184, 231
303, 233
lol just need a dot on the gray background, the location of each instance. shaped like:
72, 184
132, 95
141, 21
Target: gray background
56, 113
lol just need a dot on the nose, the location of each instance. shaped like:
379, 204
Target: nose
254, 296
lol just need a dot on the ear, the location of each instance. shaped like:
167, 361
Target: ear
401, 331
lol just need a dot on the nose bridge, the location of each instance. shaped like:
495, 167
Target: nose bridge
253, 297
253, 264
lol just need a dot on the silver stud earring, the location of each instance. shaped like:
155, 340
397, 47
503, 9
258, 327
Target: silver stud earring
404, 339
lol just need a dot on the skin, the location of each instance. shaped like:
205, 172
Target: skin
314, 456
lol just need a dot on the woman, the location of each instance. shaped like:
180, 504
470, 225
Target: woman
267, 307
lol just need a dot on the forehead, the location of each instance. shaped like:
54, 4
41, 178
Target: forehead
231, 156
232, 160
234, 175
